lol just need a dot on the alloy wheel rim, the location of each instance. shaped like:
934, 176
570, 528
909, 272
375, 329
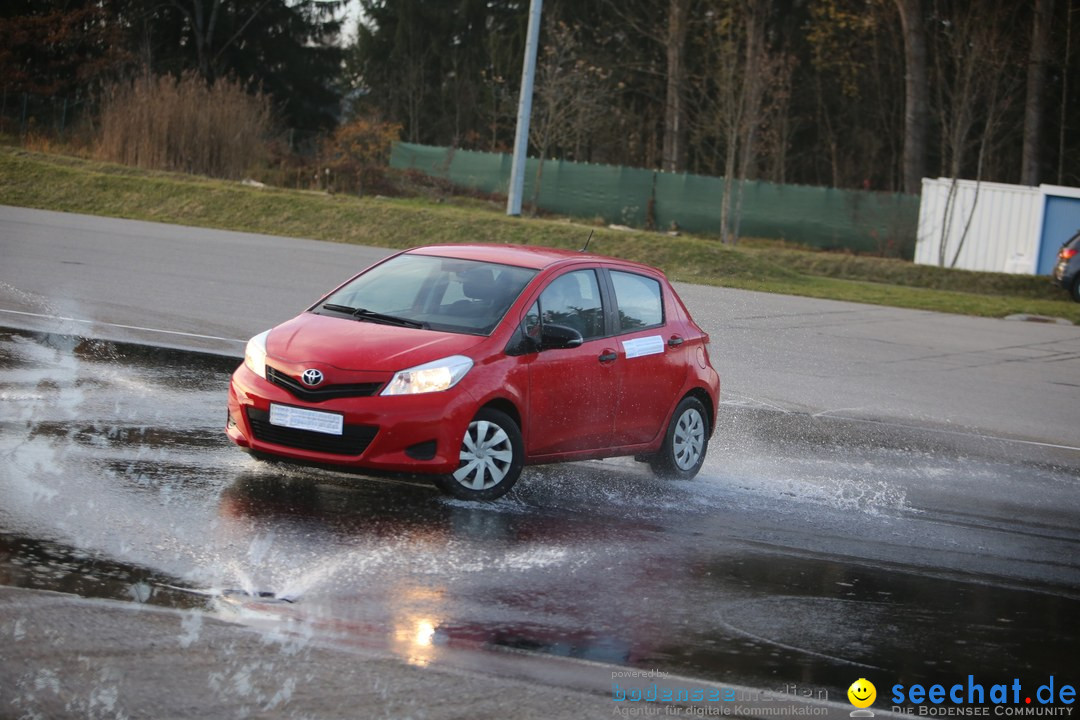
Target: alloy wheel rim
486, 456
689, 440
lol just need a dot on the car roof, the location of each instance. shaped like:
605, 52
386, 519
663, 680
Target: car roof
528, 256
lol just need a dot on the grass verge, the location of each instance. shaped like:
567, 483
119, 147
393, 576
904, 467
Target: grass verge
68, 184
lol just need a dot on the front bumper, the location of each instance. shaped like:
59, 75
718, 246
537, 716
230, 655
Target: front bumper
415, 434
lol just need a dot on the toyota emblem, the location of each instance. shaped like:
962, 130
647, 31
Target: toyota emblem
312, 377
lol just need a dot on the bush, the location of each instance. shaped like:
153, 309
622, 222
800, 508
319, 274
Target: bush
357, 155
183, 124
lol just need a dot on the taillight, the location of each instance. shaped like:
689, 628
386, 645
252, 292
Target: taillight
1067, 253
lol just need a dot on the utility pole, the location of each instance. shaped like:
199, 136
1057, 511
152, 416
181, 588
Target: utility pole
521, 137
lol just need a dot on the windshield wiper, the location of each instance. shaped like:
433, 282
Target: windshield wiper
365, 314
338, 308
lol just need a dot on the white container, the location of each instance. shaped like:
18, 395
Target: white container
1002, 224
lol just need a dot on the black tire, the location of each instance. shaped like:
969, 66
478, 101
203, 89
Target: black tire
685, 442
1075, 289
492, 455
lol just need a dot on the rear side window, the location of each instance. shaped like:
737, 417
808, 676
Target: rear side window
639, 299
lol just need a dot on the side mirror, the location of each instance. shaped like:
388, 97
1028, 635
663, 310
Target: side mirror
556, 337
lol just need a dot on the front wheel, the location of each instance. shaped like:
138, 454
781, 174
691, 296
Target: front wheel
683, 451
492, 454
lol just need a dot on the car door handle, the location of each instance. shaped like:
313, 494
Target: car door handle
609, 356
675, 341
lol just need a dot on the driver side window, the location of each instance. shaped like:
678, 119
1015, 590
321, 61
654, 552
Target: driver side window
571, 300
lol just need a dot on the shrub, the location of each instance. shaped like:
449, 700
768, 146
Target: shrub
358, 153
183, 124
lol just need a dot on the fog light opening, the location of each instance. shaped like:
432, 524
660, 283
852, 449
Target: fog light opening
422, 451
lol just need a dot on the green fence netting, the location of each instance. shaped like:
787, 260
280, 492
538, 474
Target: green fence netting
863, 221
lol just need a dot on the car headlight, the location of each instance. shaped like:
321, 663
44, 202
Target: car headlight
255, 354
429, 377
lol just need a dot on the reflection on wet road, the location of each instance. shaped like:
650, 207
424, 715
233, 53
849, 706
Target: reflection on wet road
809, 550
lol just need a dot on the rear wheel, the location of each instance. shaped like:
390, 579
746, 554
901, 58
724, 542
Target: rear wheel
492, 455
1075, 289
683, 451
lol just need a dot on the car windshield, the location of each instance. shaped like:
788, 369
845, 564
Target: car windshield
437, 293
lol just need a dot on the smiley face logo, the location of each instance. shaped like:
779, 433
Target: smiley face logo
862, 693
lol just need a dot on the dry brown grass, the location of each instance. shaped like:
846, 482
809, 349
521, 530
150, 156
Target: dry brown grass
185, 125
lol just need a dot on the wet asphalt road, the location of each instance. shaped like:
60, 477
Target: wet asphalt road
842, 526
810, 550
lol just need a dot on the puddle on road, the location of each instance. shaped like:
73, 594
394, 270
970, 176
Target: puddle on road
810, 550
43, 565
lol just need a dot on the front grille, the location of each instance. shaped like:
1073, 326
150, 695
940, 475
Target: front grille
319, 394
353, 440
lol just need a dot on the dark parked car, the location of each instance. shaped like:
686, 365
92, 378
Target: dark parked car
1067, 270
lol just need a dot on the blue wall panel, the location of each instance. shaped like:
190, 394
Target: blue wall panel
1061, 221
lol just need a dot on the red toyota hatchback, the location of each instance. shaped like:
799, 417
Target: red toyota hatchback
468, 362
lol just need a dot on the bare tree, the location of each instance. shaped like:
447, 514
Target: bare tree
674, 153
570, 96
413, 85
759, 68
975, 85
916, 112
856, 64
500, 112
739, 70
778, 126
1062, 122
203, 26
644, 20
1038, 60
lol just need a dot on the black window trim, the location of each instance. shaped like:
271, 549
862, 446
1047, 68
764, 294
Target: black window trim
517, 344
